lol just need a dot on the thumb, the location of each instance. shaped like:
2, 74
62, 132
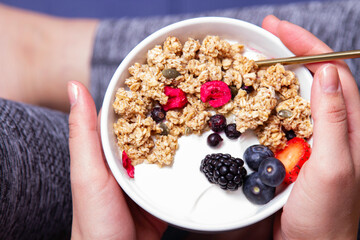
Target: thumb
99, 206
87, 162
329, 115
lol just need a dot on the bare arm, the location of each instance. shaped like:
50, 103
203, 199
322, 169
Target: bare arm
39, 54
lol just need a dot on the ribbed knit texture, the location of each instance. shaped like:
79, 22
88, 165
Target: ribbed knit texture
35, 189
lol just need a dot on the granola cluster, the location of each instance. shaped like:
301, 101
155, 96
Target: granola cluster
272, 107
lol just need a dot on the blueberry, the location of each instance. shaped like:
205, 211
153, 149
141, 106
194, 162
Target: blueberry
248, 89
290, 134
214, 139
256, 191
272, 172
255, 154
217, 123
158, 114
231, 131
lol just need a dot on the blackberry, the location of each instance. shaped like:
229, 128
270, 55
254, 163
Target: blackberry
225, 170
217, 123
158, 114
231, 132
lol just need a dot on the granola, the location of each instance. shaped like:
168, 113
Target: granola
272, 107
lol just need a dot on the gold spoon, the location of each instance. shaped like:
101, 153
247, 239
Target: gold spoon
310, 58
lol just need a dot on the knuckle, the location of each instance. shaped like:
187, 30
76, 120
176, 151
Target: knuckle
73, 129
341, 176
336, 114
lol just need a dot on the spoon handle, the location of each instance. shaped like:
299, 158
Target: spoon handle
310, 58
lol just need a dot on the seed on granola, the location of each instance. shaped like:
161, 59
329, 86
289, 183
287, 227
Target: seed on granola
188, 130
284, 113
158, 114
164, 128
170, 73
234, 91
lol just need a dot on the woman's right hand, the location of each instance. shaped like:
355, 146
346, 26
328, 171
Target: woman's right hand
324, 203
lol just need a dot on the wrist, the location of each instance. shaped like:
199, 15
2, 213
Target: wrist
41, 53
65, 56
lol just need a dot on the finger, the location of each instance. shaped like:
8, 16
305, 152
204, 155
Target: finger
99, 207
270, 23
147, 226
99, 124
302, 42
331, 141
85, 149
298, 40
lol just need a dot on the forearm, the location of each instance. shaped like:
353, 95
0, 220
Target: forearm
40, 54
66, 58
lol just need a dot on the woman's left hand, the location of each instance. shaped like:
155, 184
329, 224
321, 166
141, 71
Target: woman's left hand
100, 208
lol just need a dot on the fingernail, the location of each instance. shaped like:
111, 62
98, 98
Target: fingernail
73, 93
329, 79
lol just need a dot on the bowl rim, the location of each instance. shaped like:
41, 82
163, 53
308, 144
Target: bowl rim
105, 138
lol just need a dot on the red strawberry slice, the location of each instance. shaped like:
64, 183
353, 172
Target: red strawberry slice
293, 156
216, 93
127, 165
177, 98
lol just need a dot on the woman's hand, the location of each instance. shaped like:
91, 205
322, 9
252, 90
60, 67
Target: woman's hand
324, 203
100, 208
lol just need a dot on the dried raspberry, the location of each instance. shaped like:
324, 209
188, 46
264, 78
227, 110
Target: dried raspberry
216, 93
127, 165
177, 98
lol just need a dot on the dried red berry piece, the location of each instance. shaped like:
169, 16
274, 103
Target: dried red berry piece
216, 93
127, 165
177, 98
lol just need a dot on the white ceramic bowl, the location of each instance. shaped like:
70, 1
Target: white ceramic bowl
180, 194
